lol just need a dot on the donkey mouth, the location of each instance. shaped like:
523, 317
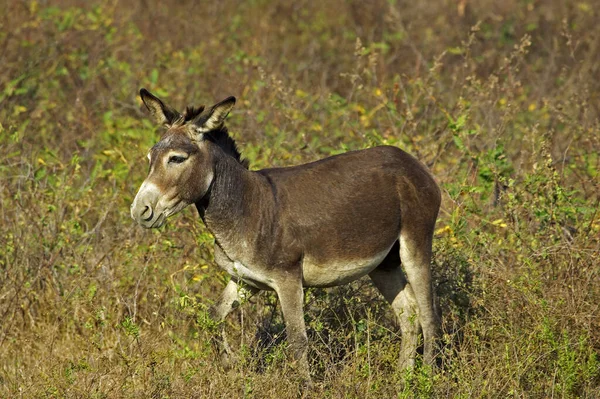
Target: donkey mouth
154, 216
160, 220
150, 220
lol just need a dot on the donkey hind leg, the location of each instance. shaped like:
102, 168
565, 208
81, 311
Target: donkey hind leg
233, 295
390, 281
415, 255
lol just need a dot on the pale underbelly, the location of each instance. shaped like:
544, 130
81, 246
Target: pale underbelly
338, 272
323, 274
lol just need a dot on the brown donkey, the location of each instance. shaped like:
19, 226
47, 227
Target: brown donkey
320, 224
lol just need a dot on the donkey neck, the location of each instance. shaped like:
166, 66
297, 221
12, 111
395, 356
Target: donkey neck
237, 202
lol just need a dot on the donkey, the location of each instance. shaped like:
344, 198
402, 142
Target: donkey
320, 224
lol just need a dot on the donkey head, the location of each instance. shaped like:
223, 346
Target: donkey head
181, 163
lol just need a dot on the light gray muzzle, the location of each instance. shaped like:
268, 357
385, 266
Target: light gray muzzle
143, 208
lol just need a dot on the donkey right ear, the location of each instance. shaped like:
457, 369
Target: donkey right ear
162, 114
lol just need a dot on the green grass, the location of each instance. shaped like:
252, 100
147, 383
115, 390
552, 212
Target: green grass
499, 100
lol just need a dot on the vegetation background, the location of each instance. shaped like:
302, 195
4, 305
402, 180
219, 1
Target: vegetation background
499, 98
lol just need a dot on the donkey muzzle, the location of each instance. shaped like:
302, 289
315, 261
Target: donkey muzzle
143, 208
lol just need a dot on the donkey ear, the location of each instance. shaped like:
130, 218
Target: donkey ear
162, 114
215, 117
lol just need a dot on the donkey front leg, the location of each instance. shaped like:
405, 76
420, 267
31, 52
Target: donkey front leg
291, 297
233, 295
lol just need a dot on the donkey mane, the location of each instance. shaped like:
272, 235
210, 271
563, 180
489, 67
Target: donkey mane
222, 138
192, 112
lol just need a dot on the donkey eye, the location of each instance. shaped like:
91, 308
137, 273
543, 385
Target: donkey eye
176, 159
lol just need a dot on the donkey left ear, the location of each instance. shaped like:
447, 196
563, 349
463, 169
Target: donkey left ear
162, 114
215, 117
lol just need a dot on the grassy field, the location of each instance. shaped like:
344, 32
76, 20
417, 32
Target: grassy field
500, 99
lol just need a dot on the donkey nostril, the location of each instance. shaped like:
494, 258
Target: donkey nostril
146, 210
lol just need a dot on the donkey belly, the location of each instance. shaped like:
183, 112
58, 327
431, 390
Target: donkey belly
338, 272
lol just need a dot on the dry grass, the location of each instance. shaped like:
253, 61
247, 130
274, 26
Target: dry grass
500, 99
